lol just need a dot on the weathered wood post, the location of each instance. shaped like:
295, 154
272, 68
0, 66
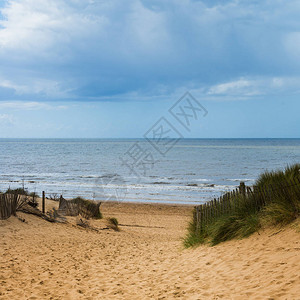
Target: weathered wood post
197, 219
43, 203
201, 218
195, 215
216, 209
242, 188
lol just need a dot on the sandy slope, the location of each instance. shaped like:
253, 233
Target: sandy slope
39, 260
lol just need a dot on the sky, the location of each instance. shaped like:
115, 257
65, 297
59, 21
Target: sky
112, 69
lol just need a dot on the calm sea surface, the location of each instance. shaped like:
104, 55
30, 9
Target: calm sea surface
192, 171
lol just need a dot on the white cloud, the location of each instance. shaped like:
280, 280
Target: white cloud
233, 87
36, 25
247, 88
21, 105
6, 120
36, 86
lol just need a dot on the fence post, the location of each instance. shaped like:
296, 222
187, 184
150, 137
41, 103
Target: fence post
242, 188
196, 217
43, 203
201, 218
215, 208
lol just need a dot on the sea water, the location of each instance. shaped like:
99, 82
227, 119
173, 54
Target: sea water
192, 171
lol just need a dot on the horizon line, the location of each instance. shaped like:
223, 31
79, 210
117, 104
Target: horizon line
142, 138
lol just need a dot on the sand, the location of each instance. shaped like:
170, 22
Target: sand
145, 260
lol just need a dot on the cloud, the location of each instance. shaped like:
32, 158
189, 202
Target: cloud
106, 50
21, 105
7, 120
233, 87
38, 87
249, 88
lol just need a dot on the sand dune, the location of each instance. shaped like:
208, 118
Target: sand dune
146, 260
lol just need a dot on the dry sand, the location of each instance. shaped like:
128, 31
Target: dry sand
146, 260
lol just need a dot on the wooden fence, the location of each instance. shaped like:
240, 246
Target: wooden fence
9, 204
253, 198
74, 207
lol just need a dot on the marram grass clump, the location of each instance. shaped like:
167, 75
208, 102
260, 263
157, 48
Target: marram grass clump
17, 191
235, 226
113, 224
275, 200
284, 190
88, 208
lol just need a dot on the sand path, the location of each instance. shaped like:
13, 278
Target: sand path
40, 260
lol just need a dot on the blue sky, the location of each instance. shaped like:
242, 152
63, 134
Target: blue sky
93, 68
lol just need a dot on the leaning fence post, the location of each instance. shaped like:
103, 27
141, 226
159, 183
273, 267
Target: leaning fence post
43, 203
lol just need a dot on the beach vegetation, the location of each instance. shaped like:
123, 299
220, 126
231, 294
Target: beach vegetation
193, 238
34, 195
274, 201
54, 196
17, 191
88, 208
113, 224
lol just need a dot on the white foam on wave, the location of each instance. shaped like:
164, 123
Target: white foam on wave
202, 180
240, 179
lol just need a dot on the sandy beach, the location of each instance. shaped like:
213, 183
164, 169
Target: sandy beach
145, 260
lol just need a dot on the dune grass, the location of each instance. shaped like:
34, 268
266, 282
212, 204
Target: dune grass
113, 224
88, 208
17, 191
278, 195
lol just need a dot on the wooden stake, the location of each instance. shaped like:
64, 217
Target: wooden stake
43, 203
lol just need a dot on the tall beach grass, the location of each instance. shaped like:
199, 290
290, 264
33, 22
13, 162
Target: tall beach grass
275, 200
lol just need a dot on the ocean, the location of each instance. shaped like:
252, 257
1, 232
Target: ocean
190, 171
